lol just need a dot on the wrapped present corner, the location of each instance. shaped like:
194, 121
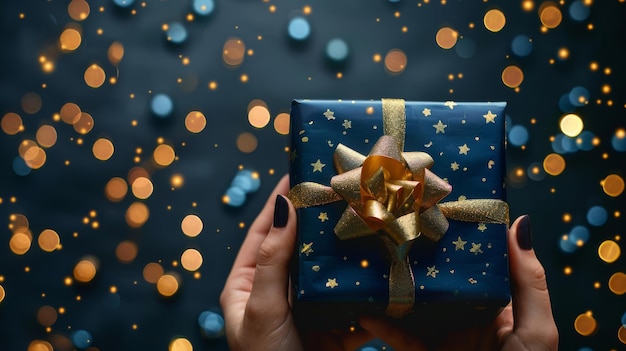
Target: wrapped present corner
401, 211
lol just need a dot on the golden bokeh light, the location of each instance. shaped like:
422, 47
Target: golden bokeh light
95, 76
395, 61
103, 149
84, 124
137, 214
554, 164
46, 316
613, 185
167, 285
70, 39
126, 251
609, 251
259, 116
152, 272
46, 135
3, 293
12, 123
191, 225
247, 142
512, 76
550, 15
115, 53
446, 37
19, 243
85, 270
494, 20
31, 103
142, 188
164, 155
70, 113
281, 123
571, 125
40, 345
137, 172
621, 334
116, 189
617, 283
195, 121
78, 10
48, 240
18, 222
180, 344
177, 180
585, 324
233, 52
191, 260
34, 157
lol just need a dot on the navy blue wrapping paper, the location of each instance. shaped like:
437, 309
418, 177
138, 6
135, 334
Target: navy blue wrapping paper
465, 274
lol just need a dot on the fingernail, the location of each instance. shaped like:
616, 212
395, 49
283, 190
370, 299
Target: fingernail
524, 234
281, 212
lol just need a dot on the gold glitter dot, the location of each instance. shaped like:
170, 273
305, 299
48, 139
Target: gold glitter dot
554, 164
613, 185
609, 251
167, 285
94, 76
446, 37
164, 155
177, 180
191, 225
126, 251
512, 76
152, 272
247, 142
550, 15
244, 78
567, 270
12, 123
377, 58
48, 240
70, 39
102, 149
191, 260
395, 61
85, 270
563, 53
78, 10
181, 344
494, 20
137, 214
528, 5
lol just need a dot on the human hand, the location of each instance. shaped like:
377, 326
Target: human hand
255, 298
525, 324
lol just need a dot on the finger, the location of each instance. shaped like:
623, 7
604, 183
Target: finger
332, 340
397, 338
268, 306
532, 311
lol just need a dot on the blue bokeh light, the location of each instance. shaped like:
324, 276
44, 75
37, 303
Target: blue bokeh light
337, 50
162, 105
81, 339
597, 216
465, 47
579, 234
522, 45
518, 135
299, 28
123, 3
618, 142
236, 196
584, 141
20, 167
176, 33
578, 96
211, 324
578, 11
203, 7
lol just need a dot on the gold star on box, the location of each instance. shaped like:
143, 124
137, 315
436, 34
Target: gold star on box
323, 216
463, 149
440, 127
455, 166
459, 244
432, 272
482, 227
346, 124
318, 165
490, 117
476, 249
450, 104
306, 249
329, 114
332, 283
426, 112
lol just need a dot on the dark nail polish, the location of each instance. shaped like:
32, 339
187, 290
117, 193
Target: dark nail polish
524, 234
281, 212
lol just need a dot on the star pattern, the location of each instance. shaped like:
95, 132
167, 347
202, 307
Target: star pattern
476, 248
332, 283
306, 249
482, 227
426, 112
432, 271
459, 244
318, 165
454, 166
330, 115
450, 104
323, 216
463, 149
490, 117
347, 124
440, 127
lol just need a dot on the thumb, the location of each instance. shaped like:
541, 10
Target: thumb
268, 303
532, 311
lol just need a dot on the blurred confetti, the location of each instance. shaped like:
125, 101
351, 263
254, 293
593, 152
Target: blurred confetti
121, 122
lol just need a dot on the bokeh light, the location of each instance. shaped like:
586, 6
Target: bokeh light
395, 61
571, 125
597, 216
191, 225
494, 20
282, 123
609, 251
11, 123
613, 185
103, 149
95, 76
299, 28
86, 269
176, 33
48, 240
137, 214
446, 37
554, 164
259, 116
116, 189
522, 45
246, 142
234, 52
180, 344
164, 155
585, 324
191, 260
167, 285
550, 15
512, 76
617, 283
195, 121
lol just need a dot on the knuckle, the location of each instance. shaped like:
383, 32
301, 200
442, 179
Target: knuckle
538, 278
267, 253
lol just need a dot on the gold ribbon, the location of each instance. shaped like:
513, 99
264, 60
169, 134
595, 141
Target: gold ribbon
394, 194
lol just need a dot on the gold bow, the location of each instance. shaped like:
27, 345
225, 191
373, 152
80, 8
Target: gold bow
393, 194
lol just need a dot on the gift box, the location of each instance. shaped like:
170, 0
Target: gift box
401, 211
